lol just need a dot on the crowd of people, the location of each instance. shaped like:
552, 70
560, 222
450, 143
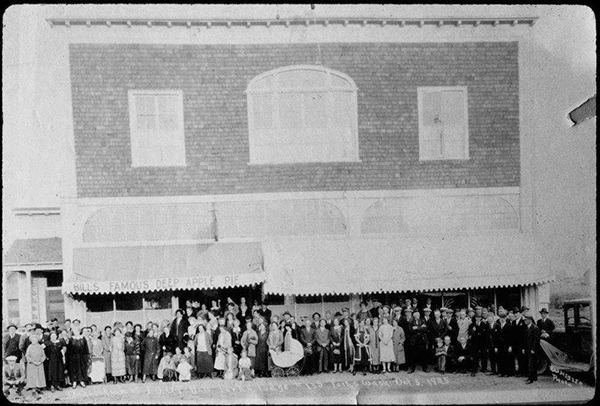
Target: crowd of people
239, 342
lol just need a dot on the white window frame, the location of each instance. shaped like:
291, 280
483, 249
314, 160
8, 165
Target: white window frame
137, 160
329, 88
428, 89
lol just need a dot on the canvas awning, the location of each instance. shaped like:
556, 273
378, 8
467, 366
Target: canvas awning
34, 252
302, 267
164, 267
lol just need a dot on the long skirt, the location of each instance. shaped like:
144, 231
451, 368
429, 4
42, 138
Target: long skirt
131, 365
118, 363
386, 352
220, 361
107, 365
98, 372
261, 361
35, 376
362, 356
335, 358
77, 367
374, 349
204, 363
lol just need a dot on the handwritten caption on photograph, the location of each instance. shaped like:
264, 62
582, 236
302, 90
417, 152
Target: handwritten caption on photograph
563, 377
261, 386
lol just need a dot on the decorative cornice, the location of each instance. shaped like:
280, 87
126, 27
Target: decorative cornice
325, 21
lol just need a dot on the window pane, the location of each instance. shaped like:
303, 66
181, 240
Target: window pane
302, 79
290, 110
432, 108
262, 104
339, 82
315, 108
453, 108
343, 109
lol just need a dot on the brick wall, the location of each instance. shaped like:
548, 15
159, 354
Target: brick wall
213, 79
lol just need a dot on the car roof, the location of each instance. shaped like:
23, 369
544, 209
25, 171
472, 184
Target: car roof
578, 301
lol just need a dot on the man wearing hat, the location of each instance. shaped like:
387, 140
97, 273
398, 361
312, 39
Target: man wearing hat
519, 337
452, 326
10, 343
13, 375
478, 332
416, 353
503, 345
545, 325
531, 344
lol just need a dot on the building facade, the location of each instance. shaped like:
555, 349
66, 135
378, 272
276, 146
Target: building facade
308, 162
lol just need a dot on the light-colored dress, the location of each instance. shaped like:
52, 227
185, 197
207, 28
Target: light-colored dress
223, 345
398, 339
232, 367
117, 356
386, 349
374, 346
106, 350
98, 370
35, 373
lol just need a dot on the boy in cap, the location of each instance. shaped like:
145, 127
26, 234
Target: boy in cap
13, 376
545, 325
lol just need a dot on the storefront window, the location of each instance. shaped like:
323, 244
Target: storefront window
157, 300
98, 303
308, 299
128, 301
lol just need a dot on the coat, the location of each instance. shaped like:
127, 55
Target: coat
249, 341
307, 338
35, 366
478, 334
547, 325
151, 354
10, 346
385, 335
398, 338
178, 330
106, 350
167, 343
78, 353
437, 329
117, 356
531, 339
262, 352
54, 358
374, 345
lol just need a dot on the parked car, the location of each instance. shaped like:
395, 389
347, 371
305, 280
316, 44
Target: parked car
572, 348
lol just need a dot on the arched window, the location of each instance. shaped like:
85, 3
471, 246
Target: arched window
302, 114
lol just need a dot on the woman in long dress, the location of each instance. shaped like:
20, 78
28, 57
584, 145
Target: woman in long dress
275, 343
106, 350
336, 344
249, 341
78, 353
262, 351
151, 355
167, 341
362, 353
398, 340
386, 345
54, 356
117, 355
203, 349
36, 379
374, 344
98, 372
347, 346
223, 345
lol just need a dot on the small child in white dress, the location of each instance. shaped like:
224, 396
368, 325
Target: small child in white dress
184, 370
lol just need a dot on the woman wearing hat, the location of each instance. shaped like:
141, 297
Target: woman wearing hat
373, 331
117, 355
362, 353
386, 345
78, 353
53, 348
36, 379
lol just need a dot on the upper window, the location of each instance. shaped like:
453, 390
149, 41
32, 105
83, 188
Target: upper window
302, 114
443, 123
156, 126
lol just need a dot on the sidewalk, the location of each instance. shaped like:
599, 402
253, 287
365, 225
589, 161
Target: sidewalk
393, 388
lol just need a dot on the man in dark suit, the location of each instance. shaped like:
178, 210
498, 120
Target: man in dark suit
452, 326
478, 332
519, 336
530, 348
179, 328
417, 340
463, 357
308, 339
10, 343
545, 325
502, 341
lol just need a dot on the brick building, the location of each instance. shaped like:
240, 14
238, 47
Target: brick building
299, 160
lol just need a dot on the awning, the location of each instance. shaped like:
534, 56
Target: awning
164, 267
34, 251
302, 267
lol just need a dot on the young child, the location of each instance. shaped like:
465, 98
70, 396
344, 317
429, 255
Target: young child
177, 357
441, 352
184, 369
166, 368
132, 356
232, 365
13, 376
246, 372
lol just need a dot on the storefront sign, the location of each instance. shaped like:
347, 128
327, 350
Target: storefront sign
172, 283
